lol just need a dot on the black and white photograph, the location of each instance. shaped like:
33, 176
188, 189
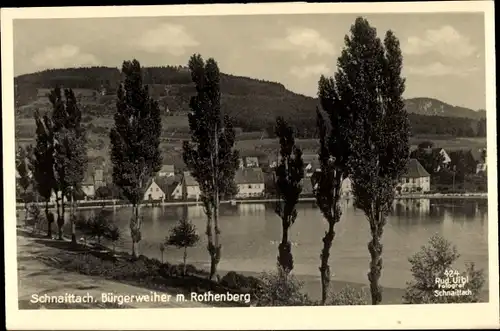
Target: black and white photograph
320, 159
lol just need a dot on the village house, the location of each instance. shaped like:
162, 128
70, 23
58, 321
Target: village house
307, 187
446, 158
345, 187
99, 178
177, 191
167, 170
190, 187
160, 188
416, 179
480, 157
250, 182
311, 164
88, 186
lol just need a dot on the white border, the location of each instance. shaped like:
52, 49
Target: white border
485, 315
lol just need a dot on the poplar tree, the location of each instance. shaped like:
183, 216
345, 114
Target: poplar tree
209, 155
370, 83
135, 142
24, 180
70, 152
42, 164
288, 176
335, 131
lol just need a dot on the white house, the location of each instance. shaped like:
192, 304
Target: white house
190, 187
154, 192
481, 159
346, 187
416, 179
250, 182
177, 192
446, 158
167, 170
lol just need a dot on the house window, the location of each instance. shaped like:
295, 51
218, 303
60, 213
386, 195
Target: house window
157, 189
250, 186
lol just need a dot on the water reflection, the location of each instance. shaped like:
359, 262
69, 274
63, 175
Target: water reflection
250, 234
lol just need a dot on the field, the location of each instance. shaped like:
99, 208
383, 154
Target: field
175, 130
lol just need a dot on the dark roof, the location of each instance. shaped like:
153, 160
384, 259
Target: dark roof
415, 170
189, 179
167, 184
167, 168
249, 176
476, 154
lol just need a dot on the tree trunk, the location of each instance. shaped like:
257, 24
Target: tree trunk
49, 220
71, 218
185, 258
60, 221
25, 211
217, 247
375, 249
285, 258
327, 242
210, 246
325, 255
135, 228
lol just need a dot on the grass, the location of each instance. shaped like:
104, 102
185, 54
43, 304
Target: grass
175, 130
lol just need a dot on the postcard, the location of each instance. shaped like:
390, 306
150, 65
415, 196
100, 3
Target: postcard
292, 165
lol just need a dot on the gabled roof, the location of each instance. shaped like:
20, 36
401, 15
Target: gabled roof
167, 184
167, 168
249, 176
189, 179
415, 170
476, 153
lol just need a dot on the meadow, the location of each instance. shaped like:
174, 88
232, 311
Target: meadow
175, 130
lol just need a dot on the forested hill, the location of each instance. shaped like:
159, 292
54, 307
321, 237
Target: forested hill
252, 103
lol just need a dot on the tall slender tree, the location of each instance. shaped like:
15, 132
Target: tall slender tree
288, 176
42, 164
209, 155
24, 179
369, 80
70, 152
135, 142
335, 131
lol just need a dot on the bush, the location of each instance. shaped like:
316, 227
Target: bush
35, 217
347, 296
279, 289
237, 281
431, 264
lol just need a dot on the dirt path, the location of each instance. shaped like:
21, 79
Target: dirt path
36, 278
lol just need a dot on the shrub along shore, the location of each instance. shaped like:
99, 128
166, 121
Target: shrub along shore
94, 259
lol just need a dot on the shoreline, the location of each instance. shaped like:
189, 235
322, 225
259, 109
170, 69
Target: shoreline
311, 284
94, 204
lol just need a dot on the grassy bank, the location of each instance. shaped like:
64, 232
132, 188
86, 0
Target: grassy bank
151, 274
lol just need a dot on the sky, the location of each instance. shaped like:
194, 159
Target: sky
444, 53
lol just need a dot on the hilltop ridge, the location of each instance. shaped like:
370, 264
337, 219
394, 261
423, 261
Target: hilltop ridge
240, 96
